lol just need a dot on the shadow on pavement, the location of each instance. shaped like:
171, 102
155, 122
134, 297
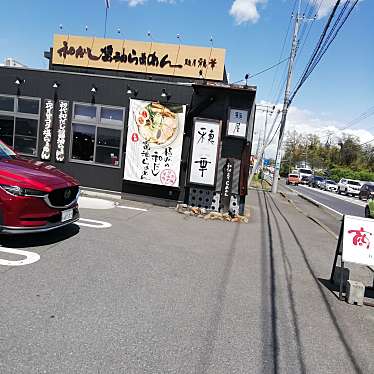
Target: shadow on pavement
333, 287
339, 330
39, 239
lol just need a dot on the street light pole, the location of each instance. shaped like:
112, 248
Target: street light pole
286, 102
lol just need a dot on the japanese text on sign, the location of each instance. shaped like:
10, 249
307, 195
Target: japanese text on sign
204, 152
358, 240
63, 109
237, 125
155, 58
47, 131
154, 143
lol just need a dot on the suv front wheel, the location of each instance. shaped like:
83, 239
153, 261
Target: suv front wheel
367, 212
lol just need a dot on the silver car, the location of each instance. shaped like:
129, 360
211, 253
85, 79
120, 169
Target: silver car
329, 185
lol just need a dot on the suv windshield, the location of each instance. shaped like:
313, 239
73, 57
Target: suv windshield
371, 187
6, 152
305, 171
354, 183
318, 178
330, 182
294, 175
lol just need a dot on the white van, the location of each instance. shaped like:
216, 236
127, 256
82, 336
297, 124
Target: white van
305, 174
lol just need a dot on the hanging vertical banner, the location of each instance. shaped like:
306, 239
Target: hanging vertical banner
47, 129
63, 111
206, 138
237, 124
228, 171
154, 142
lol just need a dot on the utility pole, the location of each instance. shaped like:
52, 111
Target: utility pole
261, 153
286, 102
267, 109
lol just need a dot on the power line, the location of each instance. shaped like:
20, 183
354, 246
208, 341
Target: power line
328, 43
325, 42
372, 140
282, 49
361, 117
316, 49
263, 71
276, 130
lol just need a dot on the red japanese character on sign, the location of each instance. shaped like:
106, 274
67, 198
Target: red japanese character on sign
360, 237
134, 137
168, 177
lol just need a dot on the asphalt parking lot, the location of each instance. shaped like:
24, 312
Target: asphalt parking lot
152, 291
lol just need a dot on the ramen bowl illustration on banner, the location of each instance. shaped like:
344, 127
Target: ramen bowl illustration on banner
157, 124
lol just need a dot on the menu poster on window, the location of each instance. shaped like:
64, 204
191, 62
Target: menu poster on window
63, 111
237, 125
47, 129
154, 142
206, 138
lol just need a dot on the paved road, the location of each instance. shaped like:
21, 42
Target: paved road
156, 292
341, 204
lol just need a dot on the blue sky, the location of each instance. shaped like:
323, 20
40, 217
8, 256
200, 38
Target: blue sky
252, 31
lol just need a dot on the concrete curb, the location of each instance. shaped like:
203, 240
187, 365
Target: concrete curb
316, 203
315, 220
100, 194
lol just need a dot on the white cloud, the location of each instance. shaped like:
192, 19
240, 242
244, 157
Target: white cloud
306, 122
134, 3
325, 8
245, 10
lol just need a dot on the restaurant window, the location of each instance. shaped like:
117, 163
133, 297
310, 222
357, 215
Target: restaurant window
7, 103
19, 123
97, 133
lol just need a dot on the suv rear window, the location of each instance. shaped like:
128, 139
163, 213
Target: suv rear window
294, 175
371, 187
354, 183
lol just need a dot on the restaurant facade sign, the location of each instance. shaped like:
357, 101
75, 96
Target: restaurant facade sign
237, 124
154, 143
141, 57
47, 129
206, 140
63, 110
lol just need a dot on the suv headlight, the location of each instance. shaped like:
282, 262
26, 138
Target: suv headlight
19, 191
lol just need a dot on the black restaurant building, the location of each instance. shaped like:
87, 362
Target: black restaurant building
137, 118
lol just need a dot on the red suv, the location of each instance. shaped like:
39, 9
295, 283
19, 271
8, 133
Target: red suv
34, 196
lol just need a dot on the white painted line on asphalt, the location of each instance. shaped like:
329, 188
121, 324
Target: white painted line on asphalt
132, 208
337, 196
316, 202
95, 203
31, 257
325, 206
93, 223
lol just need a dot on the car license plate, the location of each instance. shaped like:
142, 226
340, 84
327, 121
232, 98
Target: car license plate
66, 215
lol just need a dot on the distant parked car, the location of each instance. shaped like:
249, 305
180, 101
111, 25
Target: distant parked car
349, 186
367, 191
369, 209
304, 174
293, 178
315, 181
329, 185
